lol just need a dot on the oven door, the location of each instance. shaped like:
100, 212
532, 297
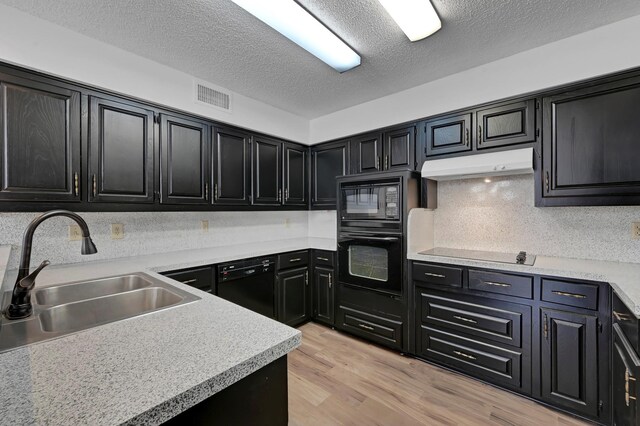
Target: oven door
371, 261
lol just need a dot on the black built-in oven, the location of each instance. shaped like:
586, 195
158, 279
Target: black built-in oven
371, 261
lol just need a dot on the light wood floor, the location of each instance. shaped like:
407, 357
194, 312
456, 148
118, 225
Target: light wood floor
335, 379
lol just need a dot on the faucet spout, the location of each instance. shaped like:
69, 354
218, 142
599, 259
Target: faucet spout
21, 306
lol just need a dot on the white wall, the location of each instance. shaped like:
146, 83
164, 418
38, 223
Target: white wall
40, 45
604, 50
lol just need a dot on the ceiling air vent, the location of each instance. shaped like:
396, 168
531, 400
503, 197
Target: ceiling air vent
213, 96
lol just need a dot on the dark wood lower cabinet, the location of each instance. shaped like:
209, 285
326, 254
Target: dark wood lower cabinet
569, 359
323, 303
293, 296
260, 398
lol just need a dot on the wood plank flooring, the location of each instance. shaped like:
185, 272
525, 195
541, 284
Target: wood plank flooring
335, 379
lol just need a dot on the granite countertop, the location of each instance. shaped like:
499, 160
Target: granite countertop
624, 278
146, 369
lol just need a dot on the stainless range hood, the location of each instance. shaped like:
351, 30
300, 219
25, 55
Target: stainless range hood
512, 162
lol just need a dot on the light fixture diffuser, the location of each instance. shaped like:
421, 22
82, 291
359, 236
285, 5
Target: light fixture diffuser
417, 18
294, 22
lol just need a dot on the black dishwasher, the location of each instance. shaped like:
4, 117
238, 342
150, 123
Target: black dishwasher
249, 283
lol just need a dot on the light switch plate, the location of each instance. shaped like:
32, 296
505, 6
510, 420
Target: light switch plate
205, 225
75, 234
117, 231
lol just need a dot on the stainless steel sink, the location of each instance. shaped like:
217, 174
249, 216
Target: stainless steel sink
69, 308
74, 292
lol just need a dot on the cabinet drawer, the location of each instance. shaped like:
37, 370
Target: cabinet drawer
494, 282
323, 258
502, 325
439, 275
201, 278
579, 295
627, 322
372, 327
293, 260
491, 363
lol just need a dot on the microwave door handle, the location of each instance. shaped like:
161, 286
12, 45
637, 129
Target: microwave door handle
365, 238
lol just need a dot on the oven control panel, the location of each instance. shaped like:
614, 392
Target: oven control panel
391, 202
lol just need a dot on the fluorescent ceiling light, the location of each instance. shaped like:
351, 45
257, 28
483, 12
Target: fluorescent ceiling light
417, 18
292, 21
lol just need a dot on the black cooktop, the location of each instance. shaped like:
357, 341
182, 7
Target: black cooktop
521, 258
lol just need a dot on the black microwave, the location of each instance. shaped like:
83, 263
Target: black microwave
370, 201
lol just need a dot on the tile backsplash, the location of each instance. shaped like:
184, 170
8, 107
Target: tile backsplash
148, 233
500, 216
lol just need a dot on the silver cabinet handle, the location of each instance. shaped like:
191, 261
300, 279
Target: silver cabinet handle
189, 281
462, 354
495, 284
366, 327
465, 319
431, 274
621, 316
330, 283
295, 259
566, 294
325, 259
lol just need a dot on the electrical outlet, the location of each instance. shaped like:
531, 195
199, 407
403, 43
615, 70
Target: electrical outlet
75, 234
205, 225
117, 231
287, 222
635, 230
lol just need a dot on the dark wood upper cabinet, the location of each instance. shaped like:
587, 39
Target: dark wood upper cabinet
449, 134
328, 162
366, 153
39, 141
509, 124
266, 167
293, 293
295, 174
399, 149
231, 167
569, 360
121, 157
184, 161
590, 146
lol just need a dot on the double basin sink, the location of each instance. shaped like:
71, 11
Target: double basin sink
67, 308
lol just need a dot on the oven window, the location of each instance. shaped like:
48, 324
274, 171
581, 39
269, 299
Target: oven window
369, 262
361, 201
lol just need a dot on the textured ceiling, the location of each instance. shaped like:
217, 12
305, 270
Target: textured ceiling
217, 41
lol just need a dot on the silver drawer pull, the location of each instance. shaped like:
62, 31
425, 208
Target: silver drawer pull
465, 319
189, 281
495, 284
564, 293
462, 354
295, 259
366, 327
431, 274
621, 317
325, 259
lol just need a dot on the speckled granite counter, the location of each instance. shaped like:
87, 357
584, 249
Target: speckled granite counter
146, 369
623, 277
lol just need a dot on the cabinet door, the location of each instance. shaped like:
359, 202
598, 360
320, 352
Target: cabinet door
231, 167
448, 135
590, 149
569, 355
295, 174
509, 124
626, 368
266, 168
184, 161
399, 149
39, 141
366, 153
120, 152
329, 161
323, 281
293, 303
